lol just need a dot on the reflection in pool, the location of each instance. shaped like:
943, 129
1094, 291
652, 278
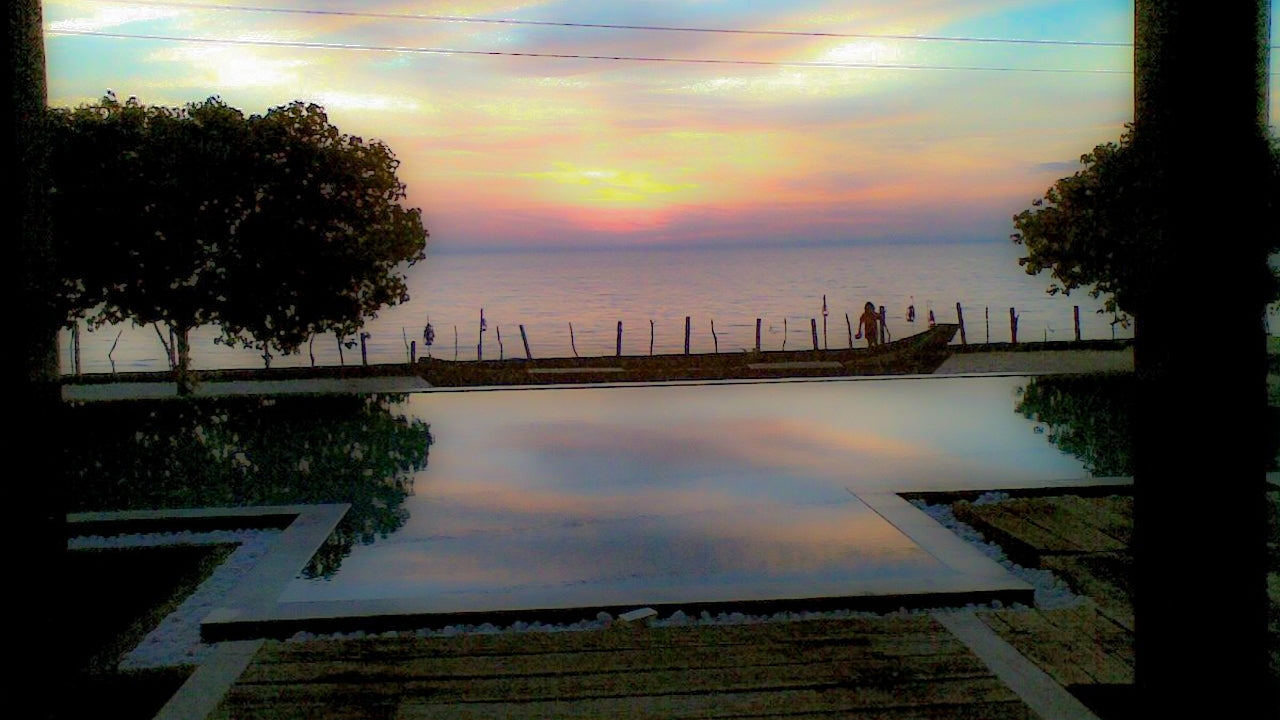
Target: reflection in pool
651, 494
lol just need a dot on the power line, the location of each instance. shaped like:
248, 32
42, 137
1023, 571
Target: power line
623, 58
607, 26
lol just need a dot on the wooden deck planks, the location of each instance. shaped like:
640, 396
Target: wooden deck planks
1104, 577
1033, 527
1075, 648
891, 667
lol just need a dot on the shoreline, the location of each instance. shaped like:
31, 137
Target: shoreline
921, 354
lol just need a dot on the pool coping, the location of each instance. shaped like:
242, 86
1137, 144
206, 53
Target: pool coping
976, 579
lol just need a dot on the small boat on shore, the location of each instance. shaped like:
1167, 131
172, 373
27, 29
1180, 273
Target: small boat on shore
916, 354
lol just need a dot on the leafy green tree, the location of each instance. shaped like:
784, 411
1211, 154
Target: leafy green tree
272, 227
1096, 229
145, 199
322, 250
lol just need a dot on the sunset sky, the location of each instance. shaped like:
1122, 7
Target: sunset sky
505, 151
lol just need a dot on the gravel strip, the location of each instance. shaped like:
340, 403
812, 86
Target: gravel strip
176, 640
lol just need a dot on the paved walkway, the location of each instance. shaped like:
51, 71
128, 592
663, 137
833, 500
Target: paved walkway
1038, 362
223, 388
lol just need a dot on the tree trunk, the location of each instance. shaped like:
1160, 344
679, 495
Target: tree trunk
182, 375
1199, 468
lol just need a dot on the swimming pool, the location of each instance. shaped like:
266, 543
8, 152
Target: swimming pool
688, 493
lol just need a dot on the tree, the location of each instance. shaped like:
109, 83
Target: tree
333, 200
271, 227
1099, 227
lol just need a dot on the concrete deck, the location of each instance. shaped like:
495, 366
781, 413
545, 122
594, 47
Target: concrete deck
224, 388
1037, 362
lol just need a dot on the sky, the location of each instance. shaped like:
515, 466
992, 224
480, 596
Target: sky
506, 151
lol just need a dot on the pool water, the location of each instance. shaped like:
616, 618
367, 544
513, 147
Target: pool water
573, 497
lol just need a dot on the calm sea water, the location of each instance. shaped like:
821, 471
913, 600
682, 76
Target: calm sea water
546, 291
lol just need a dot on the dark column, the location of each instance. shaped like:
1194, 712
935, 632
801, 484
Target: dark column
37, 515
1199, 536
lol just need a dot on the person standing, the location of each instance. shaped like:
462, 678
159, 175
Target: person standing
869, 322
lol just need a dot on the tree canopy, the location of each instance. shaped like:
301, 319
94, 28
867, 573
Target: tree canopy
1096, 228
273, 227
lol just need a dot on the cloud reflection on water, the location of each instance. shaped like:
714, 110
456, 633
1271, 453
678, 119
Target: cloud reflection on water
662, 493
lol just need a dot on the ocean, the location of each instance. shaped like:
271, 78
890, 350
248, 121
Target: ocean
651, 291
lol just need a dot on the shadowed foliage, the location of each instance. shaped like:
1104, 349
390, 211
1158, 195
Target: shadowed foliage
251, 451
273, 227
1088, 416
1098, 229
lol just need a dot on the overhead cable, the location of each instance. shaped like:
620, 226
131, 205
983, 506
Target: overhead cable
605, 26
622, 58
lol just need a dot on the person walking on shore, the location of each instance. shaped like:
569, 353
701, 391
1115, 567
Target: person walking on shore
869, 322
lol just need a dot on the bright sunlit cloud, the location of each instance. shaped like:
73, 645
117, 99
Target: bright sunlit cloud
523, 150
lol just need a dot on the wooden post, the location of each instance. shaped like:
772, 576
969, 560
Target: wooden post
122, 332
784, 333
455, 342
813, 326
824, 323
1077, 314
525, 339
686, 334
75, 352
341, 360
364, 349
986, 314
757, 334
501, 354
311, 349
849, 325
1013, 326
651, 337
715, 339
619, 353
960, 317
480, 340
413, 352
572, 344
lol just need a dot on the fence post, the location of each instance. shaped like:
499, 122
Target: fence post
986, 314
715, 339
413, 352
686, 334
525, 338
651, 336
619, 353
572, 344
1013, 326
757, 334
813, 326
824, 324
1077, 314
849, 325
501, 354
960, 317
364, 350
